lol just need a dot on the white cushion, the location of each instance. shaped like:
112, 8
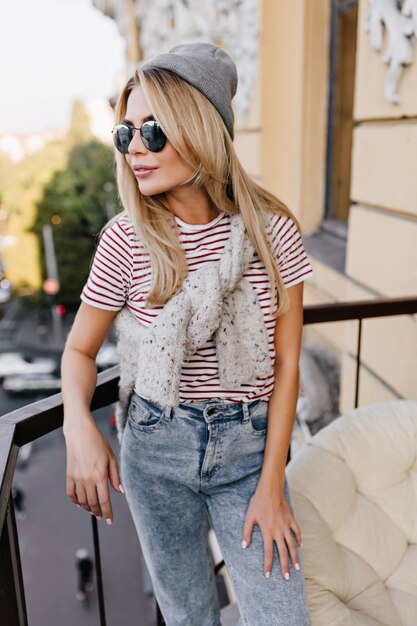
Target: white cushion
353, 487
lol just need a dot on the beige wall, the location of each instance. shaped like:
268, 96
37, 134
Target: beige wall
248, 137
382, 253
382, 227
293, 75
384, 165
282, 141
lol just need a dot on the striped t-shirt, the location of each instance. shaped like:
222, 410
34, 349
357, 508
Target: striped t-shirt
120, 274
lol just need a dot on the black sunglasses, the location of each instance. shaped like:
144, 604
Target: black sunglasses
152, 135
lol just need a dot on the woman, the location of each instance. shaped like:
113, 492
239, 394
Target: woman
203, 272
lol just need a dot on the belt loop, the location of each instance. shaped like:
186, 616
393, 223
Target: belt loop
245, 410
168, 411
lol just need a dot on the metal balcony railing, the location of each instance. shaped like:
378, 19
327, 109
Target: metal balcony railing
40, 418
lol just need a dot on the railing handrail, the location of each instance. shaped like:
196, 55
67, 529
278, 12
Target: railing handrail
47, 414
359, 309
51, 409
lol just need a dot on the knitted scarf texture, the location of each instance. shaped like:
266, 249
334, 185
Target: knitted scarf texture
216, 302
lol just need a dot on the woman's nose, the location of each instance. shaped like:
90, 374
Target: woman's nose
136, 145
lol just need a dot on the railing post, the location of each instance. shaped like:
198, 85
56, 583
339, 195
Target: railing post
99, 577
358, 362
12, 596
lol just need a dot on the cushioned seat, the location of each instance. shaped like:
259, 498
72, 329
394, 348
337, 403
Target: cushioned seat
354, 491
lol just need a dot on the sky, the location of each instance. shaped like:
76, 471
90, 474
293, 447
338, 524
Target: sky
52, 51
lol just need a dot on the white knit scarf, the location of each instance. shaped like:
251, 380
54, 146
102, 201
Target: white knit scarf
215, 301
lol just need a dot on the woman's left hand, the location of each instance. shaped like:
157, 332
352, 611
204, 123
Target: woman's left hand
275, 520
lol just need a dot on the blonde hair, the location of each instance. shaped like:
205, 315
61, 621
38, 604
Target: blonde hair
202, 141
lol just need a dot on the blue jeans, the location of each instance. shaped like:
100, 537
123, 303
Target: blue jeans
183, 468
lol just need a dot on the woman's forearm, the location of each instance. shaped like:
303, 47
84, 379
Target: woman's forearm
79, 379
281, 415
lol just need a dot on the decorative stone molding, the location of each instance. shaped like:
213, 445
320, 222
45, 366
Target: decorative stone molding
400, 20
116, 10
231, 24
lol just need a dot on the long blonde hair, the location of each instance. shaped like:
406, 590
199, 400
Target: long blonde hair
196, 130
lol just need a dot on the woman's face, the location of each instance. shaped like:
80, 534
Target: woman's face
168, 169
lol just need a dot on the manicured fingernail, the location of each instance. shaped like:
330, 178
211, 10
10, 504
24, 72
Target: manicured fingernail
98, 516
267, 575
244, 544
121, 489
301, 544
79, 506
109, 521
297, 566
286, 576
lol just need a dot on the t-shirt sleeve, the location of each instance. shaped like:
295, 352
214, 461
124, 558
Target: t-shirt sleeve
287, 244
108, 283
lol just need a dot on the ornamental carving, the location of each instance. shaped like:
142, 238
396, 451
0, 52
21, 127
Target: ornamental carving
231, 24
399, 17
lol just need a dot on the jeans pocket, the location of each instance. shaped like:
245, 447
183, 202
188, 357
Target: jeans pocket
144, 417
258, 417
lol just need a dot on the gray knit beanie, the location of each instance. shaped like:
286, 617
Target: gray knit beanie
208, 68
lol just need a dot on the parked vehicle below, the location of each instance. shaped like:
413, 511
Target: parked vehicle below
31, 383
14, 363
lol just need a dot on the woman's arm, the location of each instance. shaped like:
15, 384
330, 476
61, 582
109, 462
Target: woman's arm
90, 458
283, 401
78, 366
268, 507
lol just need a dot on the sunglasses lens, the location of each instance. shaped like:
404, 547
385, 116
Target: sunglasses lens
122, 136
153, 136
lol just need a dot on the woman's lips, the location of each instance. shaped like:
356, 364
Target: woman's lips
143, 172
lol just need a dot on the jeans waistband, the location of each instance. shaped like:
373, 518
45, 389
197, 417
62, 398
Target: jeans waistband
211, 409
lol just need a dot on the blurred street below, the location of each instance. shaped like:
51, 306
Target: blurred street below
50, 527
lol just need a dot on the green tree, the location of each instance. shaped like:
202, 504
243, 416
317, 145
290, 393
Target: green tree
21, 188
79, 131
6, 169
77, 203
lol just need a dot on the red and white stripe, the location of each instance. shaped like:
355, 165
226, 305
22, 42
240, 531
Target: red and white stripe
121, 274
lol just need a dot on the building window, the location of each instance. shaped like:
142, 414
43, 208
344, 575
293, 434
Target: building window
343, 29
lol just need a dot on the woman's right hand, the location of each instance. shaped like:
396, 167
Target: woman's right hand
91, 462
